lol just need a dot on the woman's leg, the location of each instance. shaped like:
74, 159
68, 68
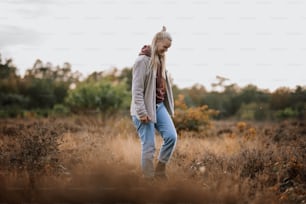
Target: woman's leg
146, 132
167, 130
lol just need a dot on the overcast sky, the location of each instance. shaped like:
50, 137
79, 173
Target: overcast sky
260, 42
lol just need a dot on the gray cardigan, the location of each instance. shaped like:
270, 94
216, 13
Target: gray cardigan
144, 90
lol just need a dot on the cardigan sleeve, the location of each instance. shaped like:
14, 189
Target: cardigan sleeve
138, 87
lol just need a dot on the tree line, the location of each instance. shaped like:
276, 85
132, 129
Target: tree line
45, 90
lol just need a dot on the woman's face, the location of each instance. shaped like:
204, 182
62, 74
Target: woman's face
162, 46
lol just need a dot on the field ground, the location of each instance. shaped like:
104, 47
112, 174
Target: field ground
96, 160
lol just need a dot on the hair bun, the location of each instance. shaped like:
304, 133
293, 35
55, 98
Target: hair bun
164, 29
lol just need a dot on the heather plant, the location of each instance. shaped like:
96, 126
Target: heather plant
31, 148
192, 118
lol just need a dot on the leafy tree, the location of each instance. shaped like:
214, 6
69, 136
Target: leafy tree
280, 98
196, 94
126, 76
251, 93
41, 93
298, 101
11, 101
46, 85
8, 77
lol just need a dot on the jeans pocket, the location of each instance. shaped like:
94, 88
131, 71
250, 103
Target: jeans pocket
136, 122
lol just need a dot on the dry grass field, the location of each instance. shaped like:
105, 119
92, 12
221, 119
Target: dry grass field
89, 159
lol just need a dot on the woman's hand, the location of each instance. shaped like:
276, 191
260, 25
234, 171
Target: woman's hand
145, 119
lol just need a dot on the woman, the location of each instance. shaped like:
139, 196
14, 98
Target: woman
152, 105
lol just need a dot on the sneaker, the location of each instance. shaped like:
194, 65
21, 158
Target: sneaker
160, 171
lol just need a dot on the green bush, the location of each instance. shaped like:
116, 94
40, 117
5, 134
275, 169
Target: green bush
254, 111
12, 99
11, 112
41, 93
287, 113
101, 96
60, 109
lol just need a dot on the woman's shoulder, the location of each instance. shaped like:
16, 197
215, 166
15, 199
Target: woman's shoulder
142, 61
142, 58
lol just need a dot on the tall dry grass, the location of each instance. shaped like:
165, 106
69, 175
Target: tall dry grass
98, 160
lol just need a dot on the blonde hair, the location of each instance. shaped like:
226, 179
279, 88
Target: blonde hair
154, 62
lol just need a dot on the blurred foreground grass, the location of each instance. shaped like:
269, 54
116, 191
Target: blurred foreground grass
94, 159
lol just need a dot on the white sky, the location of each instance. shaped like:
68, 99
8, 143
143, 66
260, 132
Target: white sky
260, 42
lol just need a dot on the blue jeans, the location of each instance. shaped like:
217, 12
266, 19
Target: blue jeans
146, 132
